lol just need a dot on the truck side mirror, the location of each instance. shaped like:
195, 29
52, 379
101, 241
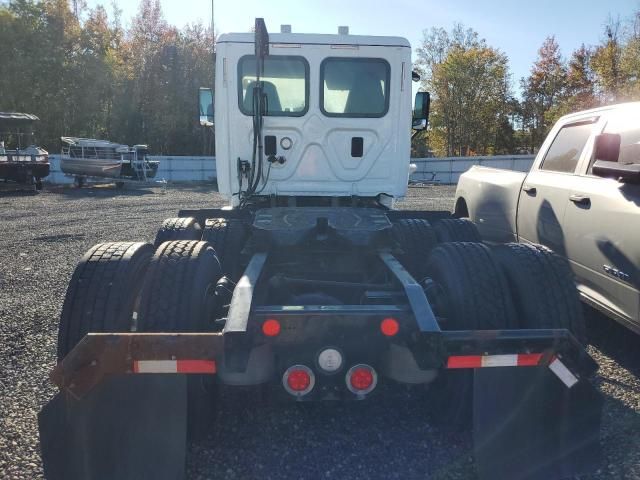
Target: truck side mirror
206, 107
607, 147
421, 110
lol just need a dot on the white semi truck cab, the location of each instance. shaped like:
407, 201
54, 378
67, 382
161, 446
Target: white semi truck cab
313, 115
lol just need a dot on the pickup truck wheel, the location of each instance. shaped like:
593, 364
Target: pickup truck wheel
474, 297
227, 236
102, 292
416, 237
543, 288
456, 230
179, 296
178, 228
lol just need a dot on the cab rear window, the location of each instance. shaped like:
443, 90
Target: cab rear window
354, 87
285, 84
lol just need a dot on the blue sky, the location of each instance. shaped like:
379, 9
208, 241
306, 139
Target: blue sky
518, 28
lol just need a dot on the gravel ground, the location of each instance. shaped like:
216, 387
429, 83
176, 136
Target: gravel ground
44, 235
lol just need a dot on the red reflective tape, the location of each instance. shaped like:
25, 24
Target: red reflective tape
196, 366
529, 359
465, 361
489, 361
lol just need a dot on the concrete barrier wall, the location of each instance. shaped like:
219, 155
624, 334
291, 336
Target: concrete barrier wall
429, 170
448, 170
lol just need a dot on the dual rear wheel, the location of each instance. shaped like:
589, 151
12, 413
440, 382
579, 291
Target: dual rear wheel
472, 286
119, 287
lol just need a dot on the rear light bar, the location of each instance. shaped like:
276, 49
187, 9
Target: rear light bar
99, 355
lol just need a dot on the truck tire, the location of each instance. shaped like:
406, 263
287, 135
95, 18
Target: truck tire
542, 287
178, 292
475, 297
227, 236
178, 228
178, 296
102, 292
416, 237
456, 230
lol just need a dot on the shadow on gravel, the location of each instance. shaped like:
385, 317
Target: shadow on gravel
18, 193
619, 433
130, 190
196, 187
60, 237
614, 340
386, 436
102, 191
617, 348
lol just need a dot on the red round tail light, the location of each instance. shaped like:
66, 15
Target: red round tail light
389, 327
271, 327
361, 379
298, 380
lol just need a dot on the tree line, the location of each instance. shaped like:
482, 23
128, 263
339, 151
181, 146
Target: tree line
474, 108
86, 75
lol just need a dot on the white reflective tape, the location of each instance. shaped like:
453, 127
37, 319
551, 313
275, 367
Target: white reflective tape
156, 366
563, 373
500, 361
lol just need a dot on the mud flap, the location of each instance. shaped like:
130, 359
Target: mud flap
528, 425
129, 427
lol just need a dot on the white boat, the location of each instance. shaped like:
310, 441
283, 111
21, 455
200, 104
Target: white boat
88, 157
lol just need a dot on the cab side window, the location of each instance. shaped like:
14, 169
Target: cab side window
565, 151
625, 124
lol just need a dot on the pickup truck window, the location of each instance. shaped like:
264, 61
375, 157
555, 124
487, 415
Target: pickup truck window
565, 151
626, 125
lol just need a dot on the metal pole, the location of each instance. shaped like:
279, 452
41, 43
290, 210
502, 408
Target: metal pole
213, 76
213, 41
